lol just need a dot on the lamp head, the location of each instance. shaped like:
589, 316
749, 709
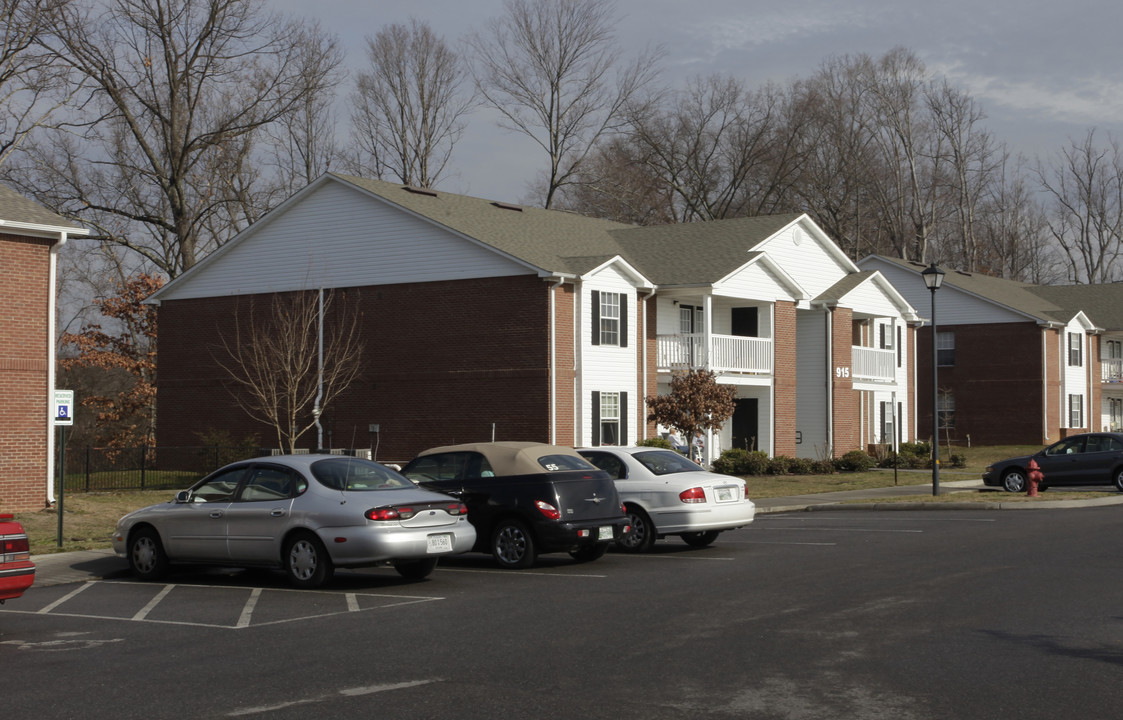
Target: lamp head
933, 277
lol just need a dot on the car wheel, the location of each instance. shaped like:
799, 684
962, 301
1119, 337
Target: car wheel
512, 546
700, 539
589, 553
1118, 480
1014, 481
642, 536
416, 569
147, 558
306, 561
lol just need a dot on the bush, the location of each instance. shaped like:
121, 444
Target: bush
854, 461
823, 467
803, 466
736, 461
779, 465
656, 442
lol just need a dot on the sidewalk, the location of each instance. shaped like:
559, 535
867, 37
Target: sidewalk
83, 565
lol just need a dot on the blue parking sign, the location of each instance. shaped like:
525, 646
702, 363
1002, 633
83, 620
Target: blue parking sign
64, 407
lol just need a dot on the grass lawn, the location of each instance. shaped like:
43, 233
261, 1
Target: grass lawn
89, 518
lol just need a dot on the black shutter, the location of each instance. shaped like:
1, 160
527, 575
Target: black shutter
596, 417
596, 319
623, 321
623, 418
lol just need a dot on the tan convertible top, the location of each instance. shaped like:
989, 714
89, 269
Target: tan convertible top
510, 458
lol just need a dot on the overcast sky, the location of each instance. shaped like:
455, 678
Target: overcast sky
1043, 72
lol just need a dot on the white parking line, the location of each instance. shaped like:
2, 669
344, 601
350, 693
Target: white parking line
153, 603
64, 598
837, 529
247, 610
346, 692
518, 573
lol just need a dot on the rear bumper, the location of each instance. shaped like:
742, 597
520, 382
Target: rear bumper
703, 517
16, 578
565, 536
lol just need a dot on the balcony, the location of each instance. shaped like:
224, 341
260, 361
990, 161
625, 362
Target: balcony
873, 365
1111, 370
726, 353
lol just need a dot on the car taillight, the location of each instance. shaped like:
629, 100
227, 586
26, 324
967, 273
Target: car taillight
456, 509
693, 495
390, 513
547, 509
16, 548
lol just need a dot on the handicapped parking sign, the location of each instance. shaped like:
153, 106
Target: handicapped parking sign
64, 407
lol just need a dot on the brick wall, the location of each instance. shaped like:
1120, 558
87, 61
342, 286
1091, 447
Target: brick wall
996, 381
565, 302
443, 362
845, 417
24, 277
784, 349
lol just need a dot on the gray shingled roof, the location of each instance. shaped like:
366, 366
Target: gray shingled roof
1019, 296
1103, 304
683, 254
15, 208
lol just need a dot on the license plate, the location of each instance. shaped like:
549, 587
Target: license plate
440, 543
724, 494
605, 533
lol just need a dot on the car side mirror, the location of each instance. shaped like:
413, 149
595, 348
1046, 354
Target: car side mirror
183, 496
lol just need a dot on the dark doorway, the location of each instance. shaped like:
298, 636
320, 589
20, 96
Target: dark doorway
744, 320
745, 424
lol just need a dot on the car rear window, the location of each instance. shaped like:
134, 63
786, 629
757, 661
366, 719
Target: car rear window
665, 462
356, 474
555, 463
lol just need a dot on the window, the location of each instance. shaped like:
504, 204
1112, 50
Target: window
1115, 414
1076, 411
945, 409
887, 422
886, 333
1113, 349
267, 483
610, 318
945, 349
899, 354
1075, 352
219, 487
610, 418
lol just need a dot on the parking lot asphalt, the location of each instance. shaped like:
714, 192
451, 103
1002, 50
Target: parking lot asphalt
101, 564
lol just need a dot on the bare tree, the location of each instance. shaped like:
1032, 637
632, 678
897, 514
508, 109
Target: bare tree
408, 109
180, 88
1085, 184
554, 73
274, 359
34, 84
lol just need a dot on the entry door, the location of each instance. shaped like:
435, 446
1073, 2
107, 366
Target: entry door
690, 319
745, 431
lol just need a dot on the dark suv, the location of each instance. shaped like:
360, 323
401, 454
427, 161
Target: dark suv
526, 498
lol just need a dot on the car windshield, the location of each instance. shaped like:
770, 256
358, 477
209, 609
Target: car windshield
348, 473
665, 462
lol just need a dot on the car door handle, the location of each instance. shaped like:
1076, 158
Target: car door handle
279, 512
216, 514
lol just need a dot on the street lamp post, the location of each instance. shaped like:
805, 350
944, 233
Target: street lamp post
933, 278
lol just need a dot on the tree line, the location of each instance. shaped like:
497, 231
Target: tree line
168, 126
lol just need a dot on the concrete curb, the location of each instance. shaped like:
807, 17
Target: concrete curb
906, 505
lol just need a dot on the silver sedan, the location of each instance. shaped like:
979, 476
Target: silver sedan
306, 514
666, 494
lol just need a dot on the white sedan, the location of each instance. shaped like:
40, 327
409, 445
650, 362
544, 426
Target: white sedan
666, 494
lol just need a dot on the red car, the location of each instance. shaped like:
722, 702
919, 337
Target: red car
17, 572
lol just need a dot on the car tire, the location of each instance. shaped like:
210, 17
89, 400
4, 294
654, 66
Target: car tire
306, 561
512, 545
590, 552
700, 539
1014, 481
416, 569
147, 558
642, 536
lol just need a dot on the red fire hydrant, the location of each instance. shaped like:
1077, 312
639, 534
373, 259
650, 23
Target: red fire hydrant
1034, 476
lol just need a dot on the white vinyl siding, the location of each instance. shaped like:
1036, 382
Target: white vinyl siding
339, 237
606, 368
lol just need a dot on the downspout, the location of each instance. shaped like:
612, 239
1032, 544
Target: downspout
1045, 384
643, 359
52, 282
553, 365
772, 388
316, 409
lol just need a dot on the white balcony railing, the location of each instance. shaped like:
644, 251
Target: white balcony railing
1111, 370
873, 364
726, 353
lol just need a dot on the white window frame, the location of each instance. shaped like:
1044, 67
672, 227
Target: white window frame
1076, 410
945, 341
610, 417
610, 318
